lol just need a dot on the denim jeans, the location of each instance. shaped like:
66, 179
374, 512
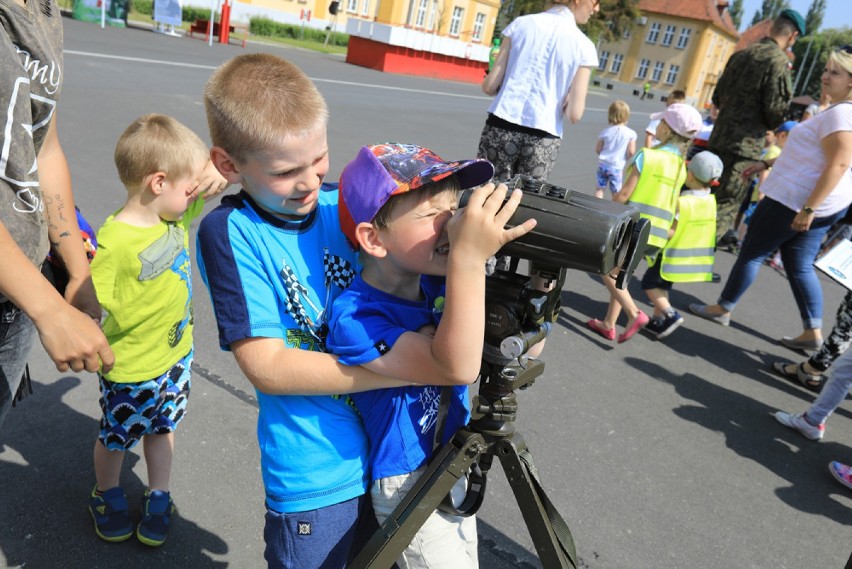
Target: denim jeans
17, 335
834, 391
770, 230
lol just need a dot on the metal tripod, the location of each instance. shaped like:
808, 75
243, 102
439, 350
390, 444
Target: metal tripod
491, 433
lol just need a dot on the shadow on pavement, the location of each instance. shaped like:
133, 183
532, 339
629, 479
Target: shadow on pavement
47, 473
752, 433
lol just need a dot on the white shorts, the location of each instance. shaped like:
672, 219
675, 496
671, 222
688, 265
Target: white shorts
445, 541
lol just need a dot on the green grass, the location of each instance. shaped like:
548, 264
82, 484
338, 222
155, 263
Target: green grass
304, 44
135, 16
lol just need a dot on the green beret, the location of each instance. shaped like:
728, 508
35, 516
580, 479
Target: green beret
796, 18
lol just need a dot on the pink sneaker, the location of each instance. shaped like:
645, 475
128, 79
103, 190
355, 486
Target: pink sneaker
841, 472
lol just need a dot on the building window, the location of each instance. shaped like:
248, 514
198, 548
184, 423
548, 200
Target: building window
455, 21
603, 60
432, 13
668, 35
617, 60
421, 13
352, 6
653, 33
657, 72
642, 72
478, 26
683, 39
671, 76
365, 7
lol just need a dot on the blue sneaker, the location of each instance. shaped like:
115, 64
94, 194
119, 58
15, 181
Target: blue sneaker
655, 326
110, 512
662, 326
157, 510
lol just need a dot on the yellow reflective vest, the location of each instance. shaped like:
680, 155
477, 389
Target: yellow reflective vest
688, 256
656, 193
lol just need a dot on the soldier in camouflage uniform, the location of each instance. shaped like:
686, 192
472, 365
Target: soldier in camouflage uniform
753, 96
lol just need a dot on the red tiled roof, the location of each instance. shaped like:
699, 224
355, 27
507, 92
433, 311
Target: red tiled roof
704, 10
754, 34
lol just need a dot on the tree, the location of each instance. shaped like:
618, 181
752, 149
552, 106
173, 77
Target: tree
821, 44
769, 9
736, 12
756, 19
612, 21
511, 9
816, 12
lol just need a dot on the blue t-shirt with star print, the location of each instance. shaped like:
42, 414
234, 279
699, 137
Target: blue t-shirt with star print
400, 422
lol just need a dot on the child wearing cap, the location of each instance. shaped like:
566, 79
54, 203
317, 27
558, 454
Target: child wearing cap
652, 186
417, 312
688, 254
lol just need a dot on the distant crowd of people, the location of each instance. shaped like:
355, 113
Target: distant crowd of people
788, 201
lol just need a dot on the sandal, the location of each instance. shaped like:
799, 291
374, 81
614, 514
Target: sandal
810, 381
597, 326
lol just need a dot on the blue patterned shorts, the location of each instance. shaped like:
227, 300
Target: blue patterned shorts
153, 407
609, 177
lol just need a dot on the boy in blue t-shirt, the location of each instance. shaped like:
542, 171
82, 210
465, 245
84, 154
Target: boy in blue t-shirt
274, 258
399, 318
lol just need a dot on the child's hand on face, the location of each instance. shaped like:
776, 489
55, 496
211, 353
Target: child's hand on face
209, 183
478, 231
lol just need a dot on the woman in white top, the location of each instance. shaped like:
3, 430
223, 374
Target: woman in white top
807, 191
816, 108
541, 75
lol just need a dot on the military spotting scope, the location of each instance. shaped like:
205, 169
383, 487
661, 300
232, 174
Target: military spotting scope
575, 230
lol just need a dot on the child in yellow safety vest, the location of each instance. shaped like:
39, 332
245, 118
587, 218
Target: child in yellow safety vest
688, 255
655, 176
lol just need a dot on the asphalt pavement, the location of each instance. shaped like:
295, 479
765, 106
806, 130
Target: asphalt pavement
659, 454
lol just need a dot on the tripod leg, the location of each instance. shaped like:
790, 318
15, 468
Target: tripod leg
448, 465
550, 534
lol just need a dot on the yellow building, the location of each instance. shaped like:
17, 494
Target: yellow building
467, 21
675, 44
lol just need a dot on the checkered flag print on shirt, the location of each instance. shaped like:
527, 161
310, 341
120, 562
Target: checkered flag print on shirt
295, 292
338, 271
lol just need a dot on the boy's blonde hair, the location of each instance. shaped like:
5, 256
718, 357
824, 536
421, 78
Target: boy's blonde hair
619, 112
255, 100
157, 143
